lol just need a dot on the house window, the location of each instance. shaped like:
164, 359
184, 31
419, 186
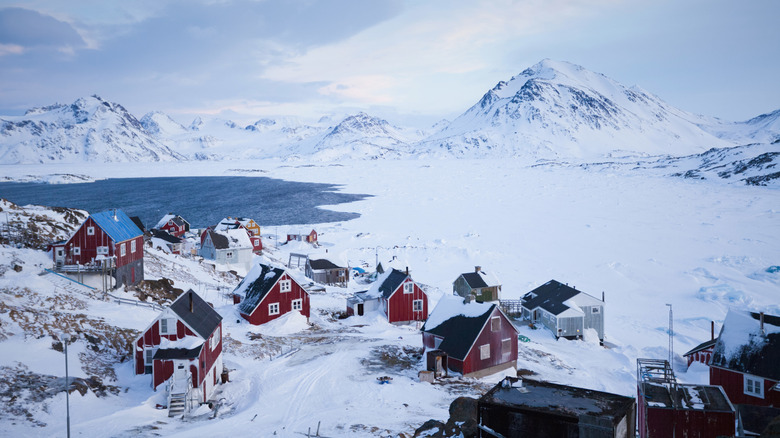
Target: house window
167, 326
408, 287
754, 386
484, 351
285, 286
123, 249
257, 242
273, 309
148, 355
132, 246
102, 250
595, 309
76, 250
229, 255
506, 346
417, 305
215, 339
90, 231
297, 304
495, 323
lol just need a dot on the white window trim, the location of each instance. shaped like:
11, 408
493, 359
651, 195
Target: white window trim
273, 309
102, 250
409, 287
132, 246
76, 250
170, 329
749, 384
228, 254
215, 339
90, 231
285, 285
484, 352
297, 304
492, 319
123, 249
414, 305
509, 340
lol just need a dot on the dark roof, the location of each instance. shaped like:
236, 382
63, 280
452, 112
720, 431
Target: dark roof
550, 297
756, 418
323, 264
474, 280
220, 241
256, 285
138, 223
116, 224
391, 283
160, 234
203, 319
760, 355
700, 347
559, 400
686, 396
459, 333
178, 353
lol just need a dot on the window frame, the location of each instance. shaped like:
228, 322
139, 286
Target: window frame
76, 250
123, 249
273, 309
167, 324
495, 324
415, 305
215, 338
90, 231
285, 285
484, 352
595, 309
132, 246
297, 304
507, 342
410, 286
753, 386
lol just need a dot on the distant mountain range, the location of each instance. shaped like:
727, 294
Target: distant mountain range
552, 111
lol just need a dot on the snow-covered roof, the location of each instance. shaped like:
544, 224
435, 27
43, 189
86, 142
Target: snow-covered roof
164, 220
225, 239
480, 278
559, 299
458, 323
743, 347
386, 283
256, 285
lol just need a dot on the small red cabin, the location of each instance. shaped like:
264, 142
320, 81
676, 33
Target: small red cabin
745, 358
478, 338
173, 224
396, 294
270, 293
186, 336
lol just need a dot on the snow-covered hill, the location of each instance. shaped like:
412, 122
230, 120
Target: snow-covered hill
88, 130
558, 110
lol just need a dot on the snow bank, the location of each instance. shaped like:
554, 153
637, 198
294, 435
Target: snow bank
450, 306
287, 324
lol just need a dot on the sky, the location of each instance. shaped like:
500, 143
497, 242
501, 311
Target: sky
410, 62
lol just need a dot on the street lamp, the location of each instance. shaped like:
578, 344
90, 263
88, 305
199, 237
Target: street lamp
671, 337
65, 338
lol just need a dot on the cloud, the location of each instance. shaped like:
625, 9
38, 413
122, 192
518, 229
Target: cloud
30, 29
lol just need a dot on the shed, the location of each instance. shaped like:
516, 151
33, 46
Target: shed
523, 407
481, 285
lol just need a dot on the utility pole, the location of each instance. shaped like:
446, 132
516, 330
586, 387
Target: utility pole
65, 338
671, 337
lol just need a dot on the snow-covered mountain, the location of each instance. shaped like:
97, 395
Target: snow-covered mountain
557, 110
760, 129
161, 125
90, 129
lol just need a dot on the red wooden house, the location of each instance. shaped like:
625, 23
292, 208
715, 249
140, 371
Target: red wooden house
269, 293
310, 238
173, 224
477, 338
108, 241
746, 358
396, 294
183, 346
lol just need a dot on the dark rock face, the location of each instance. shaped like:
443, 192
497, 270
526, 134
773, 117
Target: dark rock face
462, 421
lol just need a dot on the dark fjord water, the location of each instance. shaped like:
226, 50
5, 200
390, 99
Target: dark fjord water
202, 201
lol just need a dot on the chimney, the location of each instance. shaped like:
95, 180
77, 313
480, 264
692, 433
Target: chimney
712, 330
602, 297
477, 268
761, 315
192, 304
115, 218
407, 273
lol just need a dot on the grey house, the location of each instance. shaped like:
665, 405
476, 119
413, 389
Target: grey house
326, 272
564, 310
478, 285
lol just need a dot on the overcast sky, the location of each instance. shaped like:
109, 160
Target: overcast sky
412, 62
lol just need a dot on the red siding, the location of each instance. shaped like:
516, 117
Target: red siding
400, 305
173, 229
733, 383
88, 246
473, 363
260, 314
684, 423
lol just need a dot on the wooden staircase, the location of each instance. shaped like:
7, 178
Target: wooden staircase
177, 404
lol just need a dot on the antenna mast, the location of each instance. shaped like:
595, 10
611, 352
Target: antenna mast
671, 336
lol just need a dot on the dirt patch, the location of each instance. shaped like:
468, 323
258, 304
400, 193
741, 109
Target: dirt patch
392, 358
159, 291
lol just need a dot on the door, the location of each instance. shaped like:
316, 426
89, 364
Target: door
360, 309
180, 373
59, 256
